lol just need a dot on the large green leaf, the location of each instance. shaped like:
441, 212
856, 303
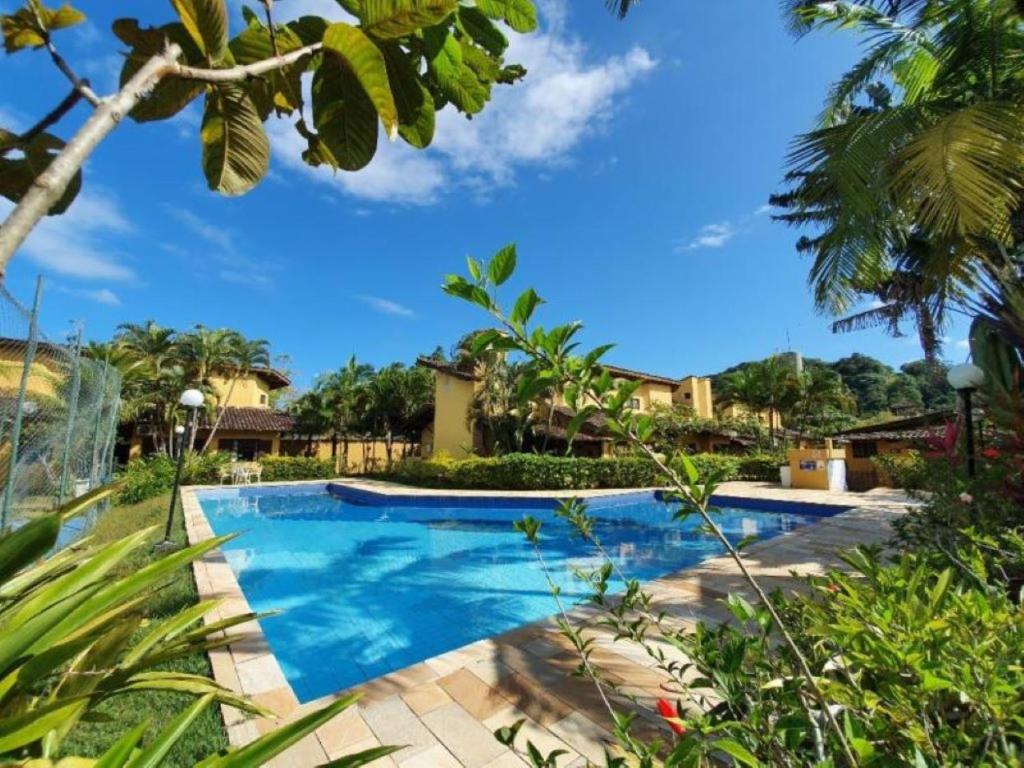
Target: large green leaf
366, 62
18, 173
279, 89
414, 103
476, 24
457, 82
344, 116
154, 753
171, 94
27, 544
397, 18
236, 152
207, 23
521, 15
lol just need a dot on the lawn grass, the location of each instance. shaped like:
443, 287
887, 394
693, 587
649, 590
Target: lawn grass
207, 734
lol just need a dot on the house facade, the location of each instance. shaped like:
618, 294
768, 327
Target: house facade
454, 433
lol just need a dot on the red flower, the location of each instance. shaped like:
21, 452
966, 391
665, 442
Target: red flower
991, 453
668, 711
833, 587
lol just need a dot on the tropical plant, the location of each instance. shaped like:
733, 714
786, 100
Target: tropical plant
398, 62
243, 356
344, 392
912, 180
764, 386
74, 636
397, 403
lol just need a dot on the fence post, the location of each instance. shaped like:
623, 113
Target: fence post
107, 462
26, 372
76, 386
94, 469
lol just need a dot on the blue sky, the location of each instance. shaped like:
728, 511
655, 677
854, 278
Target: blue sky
632, 167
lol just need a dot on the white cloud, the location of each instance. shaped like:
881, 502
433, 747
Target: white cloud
711, 236
387, 306
962, 344
212, 233
762, 210
224, 260
537, 122
81, 242
99, 295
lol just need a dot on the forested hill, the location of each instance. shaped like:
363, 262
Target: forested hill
880, 388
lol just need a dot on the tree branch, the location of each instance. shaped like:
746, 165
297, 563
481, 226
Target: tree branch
53, 116
51, 183
80, 85
268, 6
242, 72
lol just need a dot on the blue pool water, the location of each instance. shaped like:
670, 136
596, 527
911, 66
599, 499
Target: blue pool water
369, 584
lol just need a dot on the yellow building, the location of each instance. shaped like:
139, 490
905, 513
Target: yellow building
862, 444
453, 432
49, 372
740, 412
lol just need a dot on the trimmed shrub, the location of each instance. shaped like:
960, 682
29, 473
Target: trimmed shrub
276, 468
525, 472
761, 466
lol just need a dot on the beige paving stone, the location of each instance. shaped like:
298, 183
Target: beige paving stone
392, 722
260, 674
426, 697
472, 694
583, 735
382, 762
490, 670
463, 735
507, 760
281, 701
303, 754
242, 733
343, 732
531, 731
432, 757
532, 699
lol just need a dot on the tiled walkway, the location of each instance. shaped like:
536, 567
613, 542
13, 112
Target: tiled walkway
446, 708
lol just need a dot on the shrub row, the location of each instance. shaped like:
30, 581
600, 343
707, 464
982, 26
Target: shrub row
148, 477
533, 472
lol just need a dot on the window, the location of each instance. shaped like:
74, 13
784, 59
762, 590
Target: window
263, 399
865, 449
245, 449
634, 403
687, 396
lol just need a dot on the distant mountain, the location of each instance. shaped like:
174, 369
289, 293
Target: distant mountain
880, 388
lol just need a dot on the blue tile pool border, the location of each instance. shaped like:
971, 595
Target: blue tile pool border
499, 500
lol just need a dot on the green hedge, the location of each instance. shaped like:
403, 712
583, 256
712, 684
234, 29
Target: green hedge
525, 472
153, 475
902, 470
761, 466
277, 468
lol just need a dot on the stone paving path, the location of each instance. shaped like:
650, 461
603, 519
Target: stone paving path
446, 708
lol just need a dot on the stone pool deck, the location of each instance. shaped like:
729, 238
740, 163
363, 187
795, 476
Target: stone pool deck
446, 708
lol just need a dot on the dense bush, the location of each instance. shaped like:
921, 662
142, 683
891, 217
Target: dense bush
277, 468
150, 476
901, 470
526, 472
761, 466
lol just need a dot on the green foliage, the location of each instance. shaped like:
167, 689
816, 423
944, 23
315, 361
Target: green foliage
905, 469
277, 468
527, 472
153, 475
401, 62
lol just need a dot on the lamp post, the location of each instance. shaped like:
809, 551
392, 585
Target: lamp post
192, 400
965, 379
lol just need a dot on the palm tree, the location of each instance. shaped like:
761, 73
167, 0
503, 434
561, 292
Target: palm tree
936, 154
343, 392
312, 417
767, 385
497, 406
203, 352
245, 355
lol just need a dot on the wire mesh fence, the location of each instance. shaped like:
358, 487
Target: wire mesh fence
58, 415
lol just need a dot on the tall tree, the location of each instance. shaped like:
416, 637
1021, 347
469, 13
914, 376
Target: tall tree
244, 356
343, 392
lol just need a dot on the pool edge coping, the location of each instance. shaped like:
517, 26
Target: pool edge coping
248, 665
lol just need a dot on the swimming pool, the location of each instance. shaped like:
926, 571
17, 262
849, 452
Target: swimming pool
370, 583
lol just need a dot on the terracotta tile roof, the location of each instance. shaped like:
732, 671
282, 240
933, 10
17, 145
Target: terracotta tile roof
912, 428
446, 367
255, 420
628, 373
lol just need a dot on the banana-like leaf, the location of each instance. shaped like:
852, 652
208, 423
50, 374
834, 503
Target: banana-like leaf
168, 629
266, 747
196, 685
412, 99
521, 15
17, 587
120, 753
135, 583
344, 117
207, 23
18, 173
27, 544
155, 752
366, 62
236, 152
87, 501
366, 757
24, 728
396, 18
171, 94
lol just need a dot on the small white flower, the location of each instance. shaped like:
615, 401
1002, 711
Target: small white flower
966, 498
